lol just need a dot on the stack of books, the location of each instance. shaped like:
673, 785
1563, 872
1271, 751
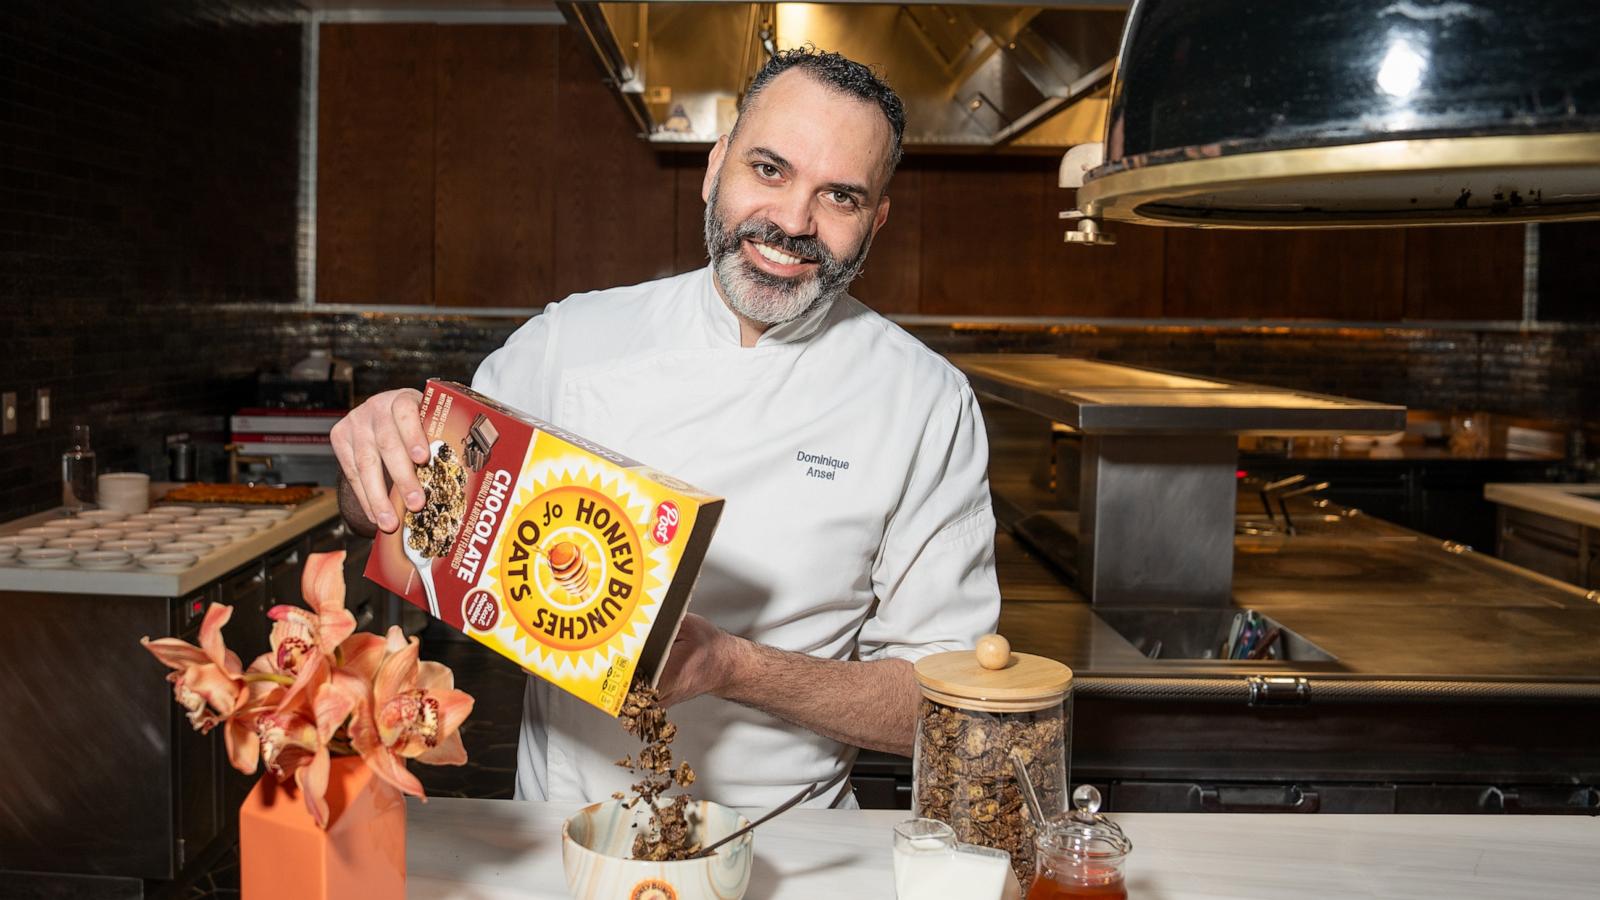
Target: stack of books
285, 432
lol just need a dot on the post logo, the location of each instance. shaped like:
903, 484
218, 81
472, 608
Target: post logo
666, 527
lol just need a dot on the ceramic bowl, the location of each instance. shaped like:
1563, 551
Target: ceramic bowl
203, 521
596, 842
75, 544
132, 548
101, 534
146, 520
214, 538
180, 527
168, 562
224, 512
239, 532
198, 548
175, 511
70, 523
48, 532
269, 515
102, 517
23, 541
47, 557
153, 536
103, 559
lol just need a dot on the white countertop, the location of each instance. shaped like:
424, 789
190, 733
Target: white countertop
137, 582
494, 849
1578, 503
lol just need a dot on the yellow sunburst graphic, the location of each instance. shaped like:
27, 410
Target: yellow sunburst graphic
578, 586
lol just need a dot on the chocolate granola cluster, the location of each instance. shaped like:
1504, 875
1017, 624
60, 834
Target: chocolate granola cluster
965, 779
431, 529
669, 834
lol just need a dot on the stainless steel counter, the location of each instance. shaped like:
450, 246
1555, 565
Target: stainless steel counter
1106, 398
1155, 455
1384, 602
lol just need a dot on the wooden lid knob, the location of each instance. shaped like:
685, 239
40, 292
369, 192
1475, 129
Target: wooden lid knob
993, 652
991, 678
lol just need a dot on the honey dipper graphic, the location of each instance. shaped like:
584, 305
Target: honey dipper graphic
570, 568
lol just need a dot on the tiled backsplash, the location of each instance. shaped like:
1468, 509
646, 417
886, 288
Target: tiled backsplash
150, 169
1538, 373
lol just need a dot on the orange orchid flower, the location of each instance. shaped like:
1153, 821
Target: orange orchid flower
415, 713
298, 634
206, 680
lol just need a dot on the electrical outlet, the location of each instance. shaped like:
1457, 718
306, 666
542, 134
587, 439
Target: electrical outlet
8, 412
43, 408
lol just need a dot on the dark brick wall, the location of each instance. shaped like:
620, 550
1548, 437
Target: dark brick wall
1537, 373
148, 169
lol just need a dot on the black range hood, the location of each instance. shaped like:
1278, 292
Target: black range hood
1346, 113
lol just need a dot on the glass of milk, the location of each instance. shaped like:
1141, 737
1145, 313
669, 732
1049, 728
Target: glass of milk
930, 864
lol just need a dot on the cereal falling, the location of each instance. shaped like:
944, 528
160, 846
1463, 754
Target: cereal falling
668, 836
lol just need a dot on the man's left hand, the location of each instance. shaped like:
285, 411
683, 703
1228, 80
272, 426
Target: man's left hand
702, 661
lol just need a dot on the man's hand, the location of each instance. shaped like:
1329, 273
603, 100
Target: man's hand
870, 704
702, 661
378, 442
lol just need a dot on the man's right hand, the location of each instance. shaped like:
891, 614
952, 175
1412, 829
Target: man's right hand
381, 442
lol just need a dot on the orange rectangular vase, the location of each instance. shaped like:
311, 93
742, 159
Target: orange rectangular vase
282, 852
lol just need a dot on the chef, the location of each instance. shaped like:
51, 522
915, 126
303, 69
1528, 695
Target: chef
857, 534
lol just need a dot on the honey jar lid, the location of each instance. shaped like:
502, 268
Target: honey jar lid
991, 678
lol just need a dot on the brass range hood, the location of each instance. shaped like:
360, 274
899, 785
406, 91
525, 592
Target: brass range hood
1346, 113
976, 76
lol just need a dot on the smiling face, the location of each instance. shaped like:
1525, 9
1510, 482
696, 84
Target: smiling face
794, 196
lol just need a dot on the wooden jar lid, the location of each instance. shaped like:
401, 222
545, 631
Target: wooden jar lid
991, 678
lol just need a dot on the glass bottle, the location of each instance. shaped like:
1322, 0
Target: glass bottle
1081, 853
78, 472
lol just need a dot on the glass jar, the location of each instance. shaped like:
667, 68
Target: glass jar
980, 707
1081, 854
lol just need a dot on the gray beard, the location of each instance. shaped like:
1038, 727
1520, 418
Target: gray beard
760, 296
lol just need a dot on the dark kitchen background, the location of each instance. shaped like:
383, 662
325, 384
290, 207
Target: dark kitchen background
156, 222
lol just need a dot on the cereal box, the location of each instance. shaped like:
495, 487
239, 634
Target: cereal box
573, 561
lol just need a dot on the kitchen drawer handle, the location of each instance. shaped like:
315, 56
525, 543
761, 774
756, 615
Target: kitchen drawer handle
1509, 800
1295, 800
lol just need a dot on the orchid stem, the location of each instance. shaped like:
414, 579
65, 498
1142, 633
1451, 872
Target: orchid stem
268, 676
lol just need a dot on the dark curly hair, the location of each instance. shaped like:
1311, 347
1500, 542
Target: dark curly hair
842, 74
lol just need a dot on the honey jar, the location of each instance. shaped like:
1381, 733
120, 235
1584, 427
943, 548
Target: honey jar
1081, 853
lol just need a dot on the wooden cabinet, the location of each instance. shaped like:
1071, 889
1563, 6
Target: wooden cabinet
491, 166
480, 166
375, 167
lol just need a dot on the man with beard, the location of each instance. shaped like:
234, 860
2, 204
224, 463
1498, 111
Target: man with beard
857, 534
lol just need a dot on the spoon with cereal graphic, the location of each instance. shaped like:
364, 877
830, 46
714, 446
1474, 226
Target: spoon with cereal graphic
415, 549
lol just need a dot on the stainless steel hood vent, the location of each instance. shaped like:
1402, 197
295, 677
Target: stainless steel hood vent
972, 77
1348, 113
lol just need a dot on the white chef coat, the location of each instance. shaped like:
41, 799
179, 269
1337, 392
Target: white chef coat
857, 524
